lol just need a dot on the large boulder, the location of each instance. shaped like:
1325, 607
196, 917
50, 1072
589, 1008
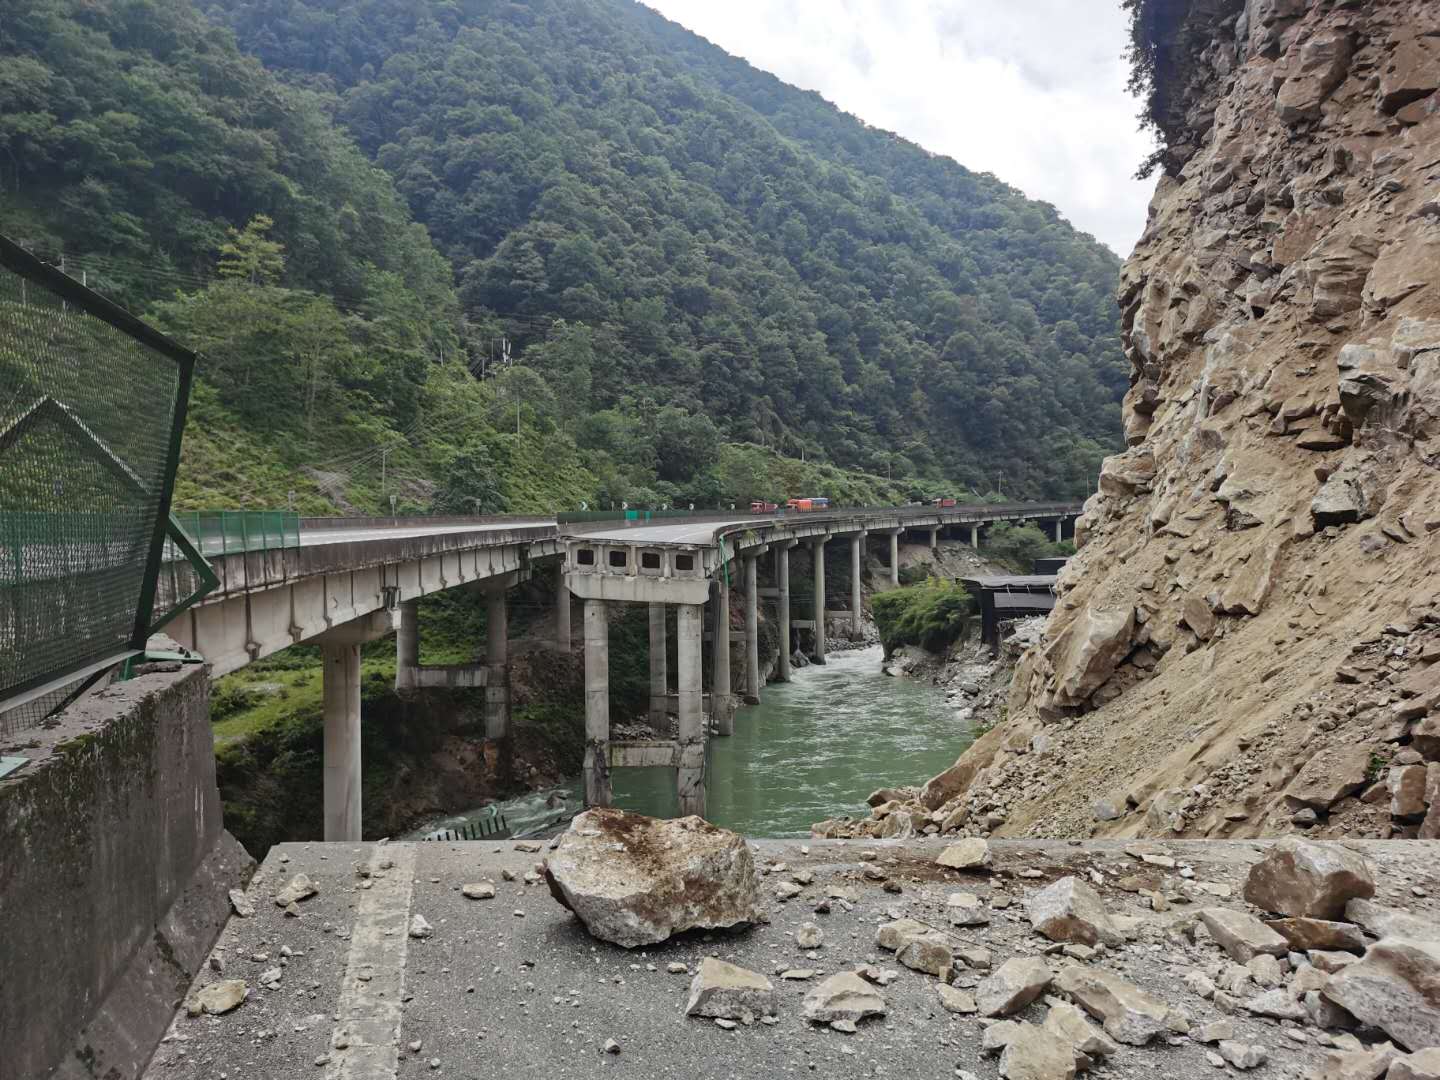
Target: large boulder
1308, 880
1128, 1014
1084, 654
1242, 935
635, 880
1069, 910
1396, 988
1329, 776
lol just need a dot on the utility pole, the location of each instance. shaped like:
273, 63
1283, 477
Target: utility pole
383, 455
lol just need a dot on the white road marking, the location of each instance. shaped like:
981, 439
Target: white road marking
366, 1042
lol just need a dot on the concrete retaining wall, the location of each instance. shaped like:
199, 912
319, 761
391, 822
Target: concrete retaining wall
114, 869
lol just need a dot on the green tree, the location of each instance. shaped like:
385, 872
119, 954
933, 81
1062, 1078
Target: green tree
249, 255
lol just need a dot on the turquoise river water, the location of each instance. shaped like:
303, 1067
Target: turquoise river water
813, 748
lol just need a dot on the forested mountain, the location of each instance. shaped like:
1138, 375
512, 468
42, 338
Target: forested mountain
700, 272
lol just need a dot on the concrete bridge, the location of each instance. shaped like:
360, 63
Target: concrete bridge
350, 581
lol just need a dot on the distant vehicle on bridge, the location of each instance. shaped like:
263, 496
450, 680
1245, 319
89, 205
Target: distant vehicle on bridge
943, 503
808, 504
760, 506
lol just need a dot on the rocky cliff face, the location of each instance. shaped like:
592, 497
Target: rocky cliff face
1249, 639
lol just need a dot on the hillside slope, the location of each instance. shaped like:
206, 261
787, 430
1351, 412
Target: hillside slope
1248, 642
727, 245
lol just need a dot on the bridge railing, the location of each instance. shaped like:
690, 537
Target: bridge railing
227, 532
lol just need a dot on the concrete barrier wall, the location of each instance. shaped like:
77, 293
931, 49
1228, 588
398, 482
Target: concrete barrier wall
114, 870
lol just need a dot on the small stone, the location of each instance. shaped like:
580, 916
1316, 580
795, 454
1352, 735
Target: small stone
1216, 1031
1032, 1053
846, 1027
965, 909
1242, 935
845, 996
797, 974
955, 1001
677, 968
726, 990
1242, 1055
420, 927
218, 998
479, 890
1013, 985
728, 1025
241, 904
809, 936
611, 1046
299, 888
1327, 934
1070, 1024
1277, 1004
972, 853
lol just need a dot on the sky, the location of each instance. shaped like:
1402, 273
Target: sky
1030, 90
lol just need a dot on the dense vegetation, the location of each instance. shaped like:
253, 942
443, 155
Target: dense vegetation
699, 275
933, 614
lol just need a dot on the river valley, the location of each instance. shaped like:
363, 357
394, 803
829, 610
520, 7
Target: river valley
814, 748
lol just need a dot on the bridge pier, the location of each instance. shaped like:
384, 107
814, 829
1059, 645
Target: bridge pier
895, 557
818, 547
782, 583
562, 610
1059, 530
934, 537
690, 768
407, 646
720, 711
975, 536
857, 552
340, 696
497, 663
659, 675
752, 633
597, 705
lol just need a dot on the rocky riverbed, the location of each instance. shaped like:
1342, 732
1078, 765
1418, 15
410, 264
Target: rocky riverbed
1141, 959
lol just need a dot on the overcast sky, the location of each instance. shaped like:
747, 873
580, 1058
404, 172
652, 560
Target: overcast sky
1030, 90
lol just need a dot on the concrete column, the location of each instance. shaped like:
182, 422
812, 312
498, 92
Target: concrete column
659, 675
752, 634
562, 611
720, 659
857, 557
819, 548
407, 645
690, 775
1059, 529
341, 696
975, 536
934, 537
497, 664
597, 705
895, 557
782, 582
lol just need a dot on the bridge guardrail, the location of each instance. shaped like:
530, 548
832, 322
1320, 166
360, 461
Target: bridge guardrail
226, 532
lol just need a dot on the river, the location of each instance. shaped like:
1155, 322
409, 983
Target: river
813, 748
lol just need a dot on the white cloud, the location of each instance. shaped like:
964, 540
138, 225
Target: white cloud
1030, 90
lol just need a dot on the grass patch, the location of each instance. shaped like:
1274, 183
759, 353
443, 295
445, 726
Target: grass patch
933, 615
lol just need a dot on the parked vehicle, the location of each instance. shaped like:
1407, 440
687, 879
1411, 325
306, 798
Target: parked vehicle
808, 504
760, 506
943, 503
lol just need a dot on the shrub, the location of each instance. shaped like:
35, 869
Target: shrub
1018, 546
932, 615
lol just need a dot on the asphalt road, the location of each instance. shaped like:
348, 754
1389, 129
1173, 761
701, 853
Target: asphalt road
514, 987
317, 537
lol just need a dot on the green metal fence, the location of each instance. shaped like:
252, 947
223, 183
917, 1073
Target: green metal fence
92, 405
226, 532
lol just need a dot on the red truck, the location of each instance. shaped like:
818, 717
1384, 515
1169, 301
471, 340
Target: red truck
760, 506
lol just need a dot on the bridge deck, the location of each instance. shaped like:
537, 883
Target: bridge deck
513, 987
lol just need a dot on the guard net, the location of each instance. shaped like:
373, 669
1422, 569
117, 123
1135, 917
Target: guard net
88, 415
